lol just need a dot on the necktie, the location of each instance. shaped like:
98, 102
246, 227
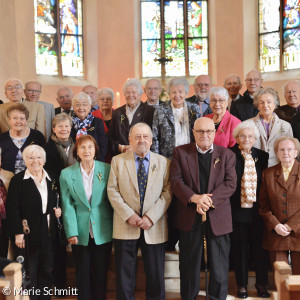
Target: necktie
3, 195
142, 182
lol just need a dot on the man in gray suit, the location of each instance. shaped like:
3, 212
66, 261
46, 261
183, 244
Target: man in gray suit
32, 91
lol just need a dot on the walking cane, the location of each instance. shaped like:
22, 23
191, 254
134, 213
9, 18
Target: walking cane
26, 276
204, 220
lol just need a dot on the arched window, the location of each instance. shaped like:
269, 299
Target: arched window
176, 30
58, 37
279, 35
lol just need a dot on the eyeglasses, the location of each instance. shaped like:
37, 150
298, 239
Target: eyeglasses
200, 85
252, 80
215, 101
81, 105
144, 136
202, 132
289, 150
244, 137
11, 88
103, 99
34, 91
155, 89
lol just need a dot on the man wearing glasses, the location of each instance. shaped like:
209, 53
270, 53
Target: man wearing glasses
243, 108
32, 91
202, 86
14, 93
202, 182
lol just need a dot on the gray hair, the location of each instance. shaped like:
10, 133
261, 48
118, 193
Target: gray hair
287, 138
107, 90
61, 118
81, 96
135, 82
33, 149
155, 79
33, 81
220, 91
233, 75
265, 91
140, 124
176, 81
248, 124
292, 81
64, 88
254, 70
9, 81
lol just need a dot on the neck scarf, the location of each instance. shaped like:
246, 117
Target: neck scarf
3, 195
82, 126
249, 181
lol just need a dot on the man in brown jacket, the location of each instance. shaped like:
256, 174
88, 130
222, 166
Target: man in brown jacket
202, 180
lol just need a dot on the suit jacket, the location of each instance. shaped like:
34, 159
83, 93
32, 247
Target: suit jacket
163, 128
194, 100
224, 135
280, 128
185, 183
49, 114
279, 203
96, 130
119, 125
123, 193
57, 111
24, 202
243, 108
78, 213
239, 214
36, 116
296, 125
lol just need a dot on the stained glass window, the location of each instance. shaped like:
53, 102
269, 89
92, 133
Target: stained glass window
184, 25
279, 35
58, 37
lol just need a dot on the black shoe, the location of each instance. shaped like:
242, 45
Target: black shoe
242, 294
262, 291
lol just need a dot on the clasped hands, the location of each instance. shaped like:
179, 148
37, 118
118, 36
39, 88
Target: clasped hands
143, 222
283, 229
203, 202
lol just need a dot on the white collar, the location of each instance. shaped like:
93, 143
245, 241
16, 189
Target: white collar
210, 149
28, 175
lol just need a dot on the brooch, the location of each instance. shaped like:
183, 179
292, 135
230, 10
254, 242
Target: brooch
193, 114
154, 168
216, 161
100, 176
91, 129
256, 159
122, 118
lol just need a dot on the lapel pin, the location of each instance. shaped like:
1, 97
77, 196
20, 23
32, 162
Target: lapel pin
122, 118
216, 161
154, 168
100, 176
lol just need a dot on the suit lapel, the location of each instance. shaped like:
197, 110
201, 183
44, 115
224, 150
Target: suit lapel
123, 118
78, 185
261, 128
280, 178
38, 201
153, 168
130, 165
214, 168
138, 115
169, 114
294, 175
98, 185
192, 161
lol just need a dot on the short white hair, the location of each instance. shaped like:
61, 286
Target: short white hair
10, 81
291, 81
29, 150
248, 124
135, 82
176, 81
220, 91
107, 90
140, 124
81, 97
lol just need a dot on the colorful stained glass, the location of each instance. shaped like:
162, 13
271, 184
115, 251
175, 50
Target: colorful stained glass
198, 56
150, 19
151, 49
175, 37
269, 14
46, 54
65, 26
291, 14
291, 49
269, 45
197, 18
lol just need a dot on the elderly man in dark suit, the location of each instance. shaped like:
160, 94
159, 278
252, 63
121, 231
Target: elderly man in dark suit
124, 117
202, 180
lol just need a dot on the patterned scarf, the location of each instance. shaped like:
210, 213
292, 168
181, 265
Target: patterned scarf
82, 126
267, 126
3, 195
249, 181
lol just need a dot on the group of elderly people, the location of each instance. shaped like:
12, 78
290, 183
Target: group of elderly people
265, 206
